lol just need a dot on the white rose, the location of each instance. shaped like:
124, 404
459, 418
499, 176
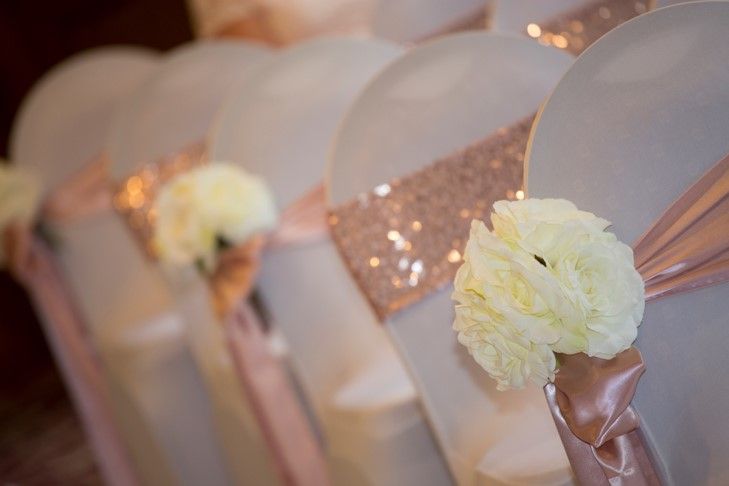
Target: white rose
532, 223
604, 300
501, 317
548, 275
19, 197
235, 203
217, 202
600, 281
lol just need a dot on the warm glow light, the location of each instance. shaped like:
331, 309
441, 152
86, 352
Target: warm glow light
559, 41
577, 26
382, 190
403, 264
393, 235
417, 266
534, 30
136, 200
374, 262
417, 225
134, 184
454, 256
520, 195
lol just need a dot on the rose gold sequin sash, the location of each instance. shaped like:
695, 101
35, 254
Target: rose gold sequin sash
404, 239
576, 29
134, 197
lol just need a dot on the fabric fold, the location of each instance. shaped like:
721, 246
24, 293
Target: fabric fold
33, 265
685, 249
296, 453
291, 441
85, 193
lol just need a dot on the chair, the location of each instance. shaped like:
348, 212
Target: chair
61, 126
170, 111
438, 98
634, 122
279, 124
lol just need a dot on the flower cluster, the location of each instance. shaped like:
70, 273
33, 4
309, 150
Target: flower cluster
548, 279
214, 205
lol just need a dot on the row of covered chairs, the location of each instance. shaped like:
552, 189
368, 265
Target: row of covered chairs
395, 402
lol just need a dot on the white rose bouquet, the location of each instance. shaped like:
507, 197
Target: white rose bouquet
207, 209
548, 279
19, 197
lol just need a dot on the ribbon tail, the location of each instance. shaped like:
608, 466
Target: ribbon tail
622, 461
296, 453
580, 454
66, 333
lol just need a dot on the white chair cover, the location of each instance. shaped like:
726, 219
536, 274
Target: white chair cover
169, 112
63, 124
280, 124
438, 98
638, 118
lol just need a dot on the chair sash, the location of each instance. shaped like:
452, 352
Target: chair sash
296, 454
404, 240
575, 29
687, 248
34, 265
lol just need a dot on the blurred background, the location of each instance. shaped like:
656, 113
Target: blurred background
37, 422
38, 425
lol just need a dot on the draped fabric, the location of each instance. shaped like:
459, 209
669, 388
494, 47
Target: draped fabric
33, 264
686, 249
297, 456
291, 443
85, 193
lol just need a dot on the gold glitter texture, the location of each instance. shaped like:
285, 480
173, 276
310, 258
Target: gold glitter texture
134, 197
576, 29
404, 240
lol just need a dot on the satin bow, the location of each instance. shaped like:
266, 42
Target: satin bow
686, 249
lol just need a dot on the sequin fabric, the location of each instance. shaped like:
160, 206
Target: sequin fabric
576, 29
134, 197
404, 239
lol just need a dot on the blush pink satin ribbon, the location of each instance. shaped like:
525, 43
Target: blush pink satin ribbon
85, 193
33, 264
295, 451
686, 249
